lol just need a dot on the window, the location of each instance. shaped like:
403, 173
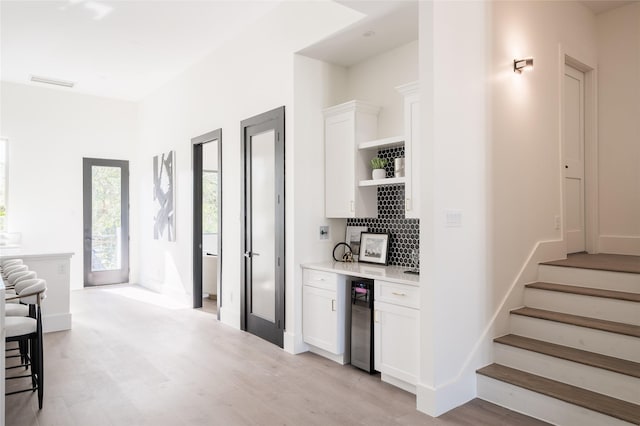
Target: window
209, 202
4, 151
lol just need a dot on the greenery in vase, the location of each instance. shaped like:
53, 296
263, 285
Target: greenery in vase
378, 163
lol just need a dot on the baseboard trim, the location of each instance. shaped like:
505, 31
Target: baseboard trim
619, 244
58, 322
340, 359
294, 344
230, 317
437, 401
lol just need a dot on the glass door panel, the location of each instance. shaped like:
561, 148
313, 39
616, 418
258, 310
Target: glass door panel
263, 225
106, 218
106, 221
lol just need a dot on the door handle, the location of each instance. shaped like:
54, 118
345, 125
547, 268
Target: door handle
250, 254
376, 316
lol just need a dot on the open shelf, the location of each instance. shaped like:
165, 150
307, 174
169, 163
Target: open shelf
382, 143
378, 182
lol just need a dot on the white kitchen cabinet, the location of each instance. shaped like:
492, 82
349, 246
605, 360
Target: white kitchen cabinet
346, 126
324, 313
412, 141
397, 333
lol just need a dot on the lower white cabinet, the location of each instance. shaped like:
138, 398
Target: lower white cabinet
397, 333
324, 311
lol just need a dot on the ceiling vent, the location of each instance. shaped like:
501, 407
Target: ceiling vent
53, 81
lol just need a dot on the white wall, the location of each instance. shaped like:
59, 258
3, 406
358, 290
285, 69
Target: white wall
374, 80
619, 129
248, 76
492, 150
49, 133
317, 85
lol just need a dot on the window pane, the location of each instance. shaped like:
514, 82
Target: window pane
106, 219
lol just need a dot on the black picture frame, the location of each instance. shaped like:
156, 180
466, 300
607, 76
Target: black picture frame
374, 247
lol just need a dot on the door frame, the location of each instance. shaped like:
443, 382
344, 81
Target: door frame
274, 119
591, 203
197, 142
107, 277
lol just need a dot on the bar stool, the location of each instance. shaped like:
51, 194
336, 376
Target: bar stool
27, 329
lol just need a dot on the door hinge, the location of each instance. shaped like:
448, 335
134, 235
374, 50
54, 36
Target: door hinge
278, 261
278, 323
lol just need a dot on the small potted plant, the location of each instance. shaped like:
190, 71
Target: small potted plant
378, 164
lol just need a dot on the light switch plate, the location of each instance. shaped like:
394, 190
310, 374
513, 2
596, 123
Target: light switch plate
453, 218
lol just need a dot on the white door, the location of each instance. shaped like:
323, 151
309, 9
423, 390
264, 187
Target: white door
573, 148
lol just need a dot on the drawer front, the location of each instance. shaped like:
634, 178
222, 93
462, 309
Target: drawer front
320, 279
398, 294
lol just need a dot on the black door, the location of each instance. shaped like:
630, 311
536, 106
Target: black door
262, 302
207, 209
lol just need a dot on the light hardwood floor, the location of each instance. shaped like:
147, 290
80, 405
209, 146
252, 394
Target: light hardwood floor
127, 362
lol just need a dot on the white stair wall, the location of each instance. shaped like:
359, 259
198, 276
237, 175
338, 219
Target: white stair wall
602, 342
616, 385
607, 280
540, 406
586, 306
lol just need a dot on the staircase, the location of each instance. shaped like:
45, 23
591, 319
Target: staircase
573, 355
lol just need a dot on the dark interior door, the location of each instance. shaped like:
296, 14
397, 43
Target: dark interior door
106, 221
263, 230
211, 140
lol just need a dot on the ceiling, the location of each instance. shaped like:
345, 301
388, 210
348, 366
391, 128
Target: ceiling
127, 49
118, 49
386, 25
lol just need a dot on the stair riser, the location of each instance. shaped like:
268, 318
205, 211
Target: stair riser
606, 382
608, 280
586, 306
602, 342
541, 406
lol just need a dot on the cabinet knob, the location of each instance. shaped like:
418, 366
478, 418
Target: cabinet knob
351, 207
376, 316
407, 204
398, 294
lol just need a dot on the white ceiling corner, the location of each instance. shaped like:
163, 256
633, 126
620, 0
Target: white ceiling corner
119, 49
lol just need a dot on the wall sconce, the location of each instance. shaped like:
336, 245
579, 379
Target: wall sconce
522, 64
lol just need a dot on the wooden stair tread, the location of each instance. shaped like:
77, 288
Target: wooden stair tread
574, 395
601, 261
617, 365
586, 291
598, 324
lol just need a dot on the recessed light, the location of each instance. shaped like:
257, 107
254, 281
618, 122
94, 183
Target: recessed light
369, 33
53, 81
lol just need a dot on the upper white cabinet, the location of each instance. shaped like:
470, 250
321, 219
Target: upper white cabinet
346, 126
411, 95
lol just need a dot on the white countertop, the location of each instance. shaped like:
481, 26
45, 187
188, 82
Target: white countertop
20, 254
368, 270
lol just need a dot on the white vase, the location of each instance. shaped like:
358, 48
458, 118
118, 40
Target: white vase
378, 174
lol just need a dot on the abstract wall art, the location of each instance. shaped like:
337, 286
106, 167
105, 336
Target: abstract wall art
164, 221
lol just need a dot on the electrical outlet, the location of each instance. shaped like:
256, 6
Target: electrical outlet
557, 222
324, 232
61, 268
